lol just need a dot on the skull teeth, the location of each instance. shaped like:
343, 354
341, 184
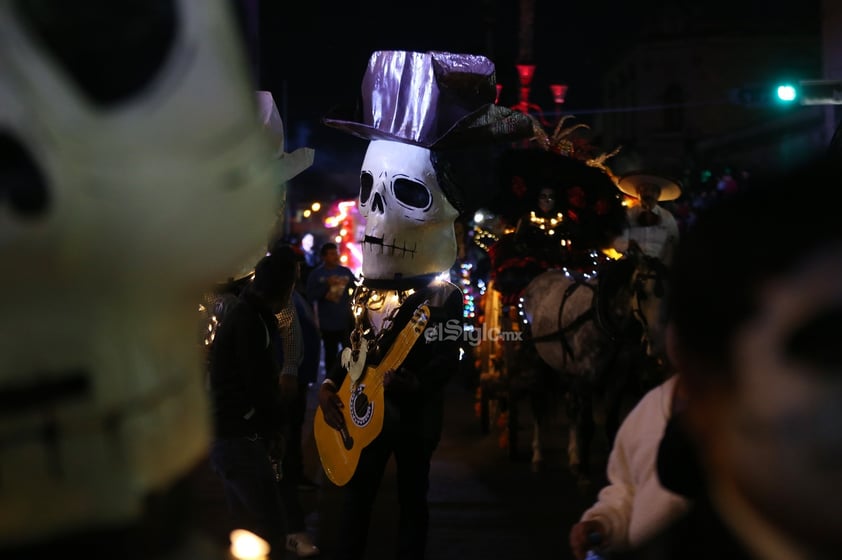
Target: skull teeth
392, 248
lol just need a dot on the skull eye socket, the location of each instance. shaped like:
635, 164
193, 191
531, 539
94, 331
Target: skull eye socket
139, 41
412, 193
366, 184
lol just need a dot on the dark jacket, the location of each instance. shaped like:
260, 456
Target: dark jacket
244, 370
434, 359
333, 315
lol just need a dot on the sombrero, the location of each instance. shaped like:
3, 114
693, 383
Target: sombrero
291, 163
585, 194
631, 182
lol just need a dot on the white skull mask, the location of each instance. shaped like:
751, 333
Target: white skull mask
149, 202
409, 222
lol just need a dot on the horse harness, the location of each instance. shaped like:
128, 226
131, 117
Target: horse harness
657, 272
597, 311
594, 313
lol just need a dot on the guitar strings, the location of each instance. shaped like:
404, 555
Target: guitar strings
402, 342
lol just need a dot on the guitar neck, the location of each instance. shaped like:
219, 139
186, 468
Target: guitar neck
404, 342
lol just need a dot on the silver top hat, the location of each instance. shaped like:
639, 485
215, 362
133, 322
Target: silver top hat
436, 100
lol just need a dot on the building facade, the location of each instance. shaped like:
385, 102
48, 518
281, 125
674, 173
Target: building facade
685, 95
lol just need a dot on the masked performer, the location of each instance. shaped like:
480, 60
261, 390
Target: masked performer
419, 112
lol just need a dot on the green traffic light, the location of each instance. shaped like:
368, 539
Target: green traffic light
787, 93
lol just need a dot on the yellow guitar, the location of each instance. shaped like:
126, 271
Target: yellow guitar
339, 450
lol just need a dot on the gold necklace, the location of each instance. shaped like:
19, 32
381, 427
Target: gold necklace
364, 300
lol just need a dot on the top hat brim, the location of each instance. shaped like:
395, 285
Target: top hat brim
436, 100
490, 124
631, 182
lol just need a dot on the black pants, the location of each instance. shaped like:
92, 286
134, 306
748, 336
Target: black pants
412, 456
254, 500
292, 464
293, 458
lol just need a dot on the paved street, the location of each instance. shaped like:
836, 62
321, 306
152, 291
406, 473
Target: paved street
483, 504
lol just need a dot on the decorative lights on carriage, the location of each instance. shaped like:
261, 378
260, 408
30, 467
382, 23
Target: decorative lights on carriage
545, 224
484, 238
469, 307
521, 311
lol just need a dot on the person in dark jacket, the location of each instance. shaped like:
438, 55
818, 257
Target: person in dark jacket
289, 464
247, 406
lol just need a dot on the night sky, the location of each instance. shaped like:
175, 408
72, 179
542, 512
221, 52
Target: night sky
315, 59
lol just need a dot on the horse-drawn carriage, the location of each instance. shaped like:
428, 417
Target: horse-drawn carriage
586, 321
579, 336
602, 334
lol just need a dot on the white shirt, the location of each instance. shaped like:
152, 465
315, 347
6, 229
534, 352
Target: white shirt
656, 241
634, 505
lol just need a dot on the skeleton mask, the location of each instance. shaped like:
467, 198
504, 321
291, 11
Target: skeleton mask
409, 222
140, 205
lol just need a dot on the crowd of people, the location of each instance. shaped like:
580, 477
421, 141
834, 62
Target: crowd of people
753, 354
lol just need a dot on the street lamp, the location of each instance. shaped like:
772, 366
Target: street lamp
558, 91
525, 73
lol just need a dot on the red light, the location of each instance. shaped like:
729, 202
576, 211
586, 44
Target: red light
558, 91
525, 72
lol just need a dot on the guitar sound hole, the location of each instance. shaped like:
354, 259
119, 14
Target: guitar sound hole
361, 404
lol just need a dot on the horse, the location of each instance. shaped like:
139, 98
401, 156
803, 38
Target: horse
589, 335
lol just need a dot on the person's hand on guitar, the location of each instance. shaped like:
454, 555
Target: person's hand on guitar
331, 405
400, 381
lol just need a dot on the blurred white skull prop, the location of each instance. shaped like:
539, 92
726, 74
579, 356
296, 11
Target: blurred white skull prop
150, 202
409, 222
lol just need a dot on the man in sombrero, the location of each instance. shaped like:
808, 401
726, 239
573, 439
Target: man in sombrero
651, 228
